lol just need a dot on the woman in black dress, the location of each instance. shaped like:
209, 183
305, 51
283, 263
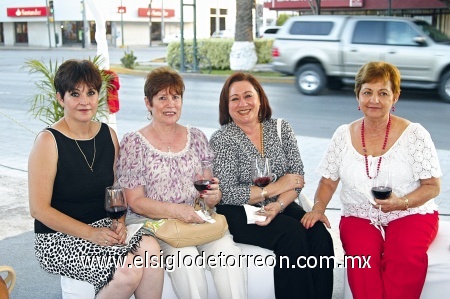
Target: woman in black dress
71, 163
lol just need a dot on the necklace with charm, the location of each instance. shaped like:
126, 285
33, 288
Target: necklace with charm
91, 166
168, 145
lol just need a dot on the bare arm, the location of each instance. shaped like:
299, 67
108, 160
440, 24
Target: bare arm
42, 166
323, 195
429, 188
156, 209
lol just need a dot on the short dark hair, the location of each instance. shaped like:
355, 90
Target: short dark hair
73, 72
375, 70
265, 112
163, 78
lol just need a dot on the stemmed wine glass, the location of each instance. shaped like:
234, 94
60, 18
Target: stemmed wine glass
382, 185
202, 177
115, 205
261, 175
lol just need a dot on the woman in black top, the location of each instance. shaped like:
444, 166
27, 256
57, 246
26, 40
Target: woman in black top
247, 132
70, 165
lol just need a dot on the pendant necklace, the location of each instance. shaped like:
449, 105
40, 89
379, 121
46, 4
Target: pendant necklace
261, 139
383, 148
159, 137
91, 166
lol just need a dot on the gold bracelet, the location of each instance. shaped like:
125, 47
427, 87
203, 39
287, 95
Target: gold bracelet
406, 202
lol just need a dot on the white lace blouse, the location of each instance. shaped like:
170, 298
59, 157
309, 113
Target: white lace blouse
411, 158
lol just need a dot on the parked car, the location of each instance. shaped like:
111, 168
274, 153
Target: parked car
223, 34
328, 50
269, 32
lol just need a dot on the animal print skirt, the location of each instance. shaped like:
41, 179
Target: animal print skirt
77, 258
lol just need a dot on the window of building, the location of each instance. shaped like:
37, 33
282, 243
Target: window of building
217, 19
21, 32
72, 32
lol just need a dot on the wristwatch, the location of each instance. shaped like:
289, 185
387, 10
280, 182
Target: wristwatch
281, 205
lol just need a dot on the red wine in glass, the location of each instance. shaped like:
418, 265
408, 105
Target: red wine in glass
261, 177
201, 185
115, 212
115, 205
262, 181
382, 185
202, 178
381, 192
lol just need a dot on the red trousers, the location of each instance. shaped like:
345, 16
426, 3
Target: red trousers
398, 265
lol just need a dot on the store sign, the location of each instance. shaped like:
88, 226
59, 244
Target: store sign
17, 12
156, 12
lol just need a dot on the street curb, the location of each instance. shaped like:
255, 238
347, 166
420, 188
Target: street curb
262, 79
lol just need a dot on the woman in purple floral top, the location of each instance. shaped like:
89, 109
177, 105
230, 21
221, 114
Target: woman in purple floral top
155, 166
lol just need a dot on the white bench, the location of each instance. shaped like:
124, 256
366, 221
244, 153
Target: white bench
260, 281
437, 282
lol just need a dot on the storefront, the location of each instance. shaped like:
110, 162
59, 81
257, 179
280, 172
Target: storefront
128, 22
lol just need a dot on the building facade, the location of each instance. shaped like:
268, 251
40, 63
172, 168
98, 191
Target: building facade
50, 23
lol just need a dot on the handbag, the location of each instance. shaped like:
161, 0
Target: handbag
179, 234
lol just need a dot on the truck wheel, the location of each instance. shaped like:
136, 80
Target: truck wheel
310, 79
444, 87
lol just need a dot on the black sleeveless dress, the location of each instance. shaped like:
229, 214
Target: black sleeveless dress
79, 193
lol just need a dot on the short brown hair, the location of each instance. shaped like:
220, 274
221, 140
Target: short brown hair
73, 72
265, 112
163, 78
375, 70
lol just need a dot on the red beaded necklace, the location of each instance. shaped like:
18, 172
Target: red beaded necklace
384, 146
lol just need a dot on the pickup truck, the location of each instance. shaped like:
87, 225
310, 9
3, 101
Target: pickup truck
328, 50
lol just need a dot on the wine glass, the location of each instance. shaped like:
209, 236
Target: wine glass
382, 185
261, 176
202, 177
115, 204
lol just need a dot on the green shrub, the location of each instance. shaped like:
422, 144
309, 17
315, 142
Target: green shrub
129, 60
218, 51
282, 18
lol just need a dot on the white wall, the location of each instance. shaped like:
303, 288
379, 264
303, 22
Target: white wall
38, 34
8, 32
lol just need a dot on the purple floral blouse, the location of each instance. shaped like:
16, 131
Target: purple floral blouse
166, 176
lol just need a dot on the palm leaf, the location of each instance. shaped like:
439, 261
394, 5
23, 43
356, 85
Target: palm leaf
44, 105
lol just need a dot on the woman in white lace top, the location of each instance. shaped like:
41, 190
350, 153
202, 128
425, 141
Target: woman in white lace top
392, 234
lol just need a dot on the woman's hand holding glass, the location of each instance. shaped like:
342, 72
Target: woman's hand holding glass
116, 207
203, 180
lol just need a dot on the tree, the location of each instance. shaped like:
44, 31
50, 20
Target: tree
315, 6
243, 53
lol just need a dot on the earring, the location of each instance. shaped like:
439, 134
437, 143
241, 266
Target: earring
393, 109
359, 108
149, 115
